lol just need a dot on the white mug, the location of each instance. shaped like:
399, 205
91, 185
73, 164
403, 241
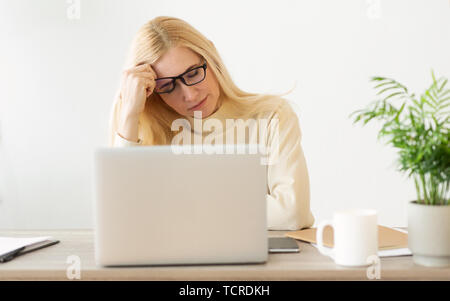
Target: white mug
355, 237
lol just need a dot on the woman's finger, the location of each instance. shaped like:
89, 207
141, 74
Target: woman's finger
140, 68
148, 75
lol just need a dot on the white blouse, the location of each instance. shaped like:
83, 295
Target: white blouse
288, 198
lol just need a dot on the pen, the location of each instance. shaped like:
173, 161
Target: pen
8, 256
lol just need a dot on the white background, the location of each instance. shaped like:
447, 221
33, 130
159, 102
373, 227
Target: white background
59, 72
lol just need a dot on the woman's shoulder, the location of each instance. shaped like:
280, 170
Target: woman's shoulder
261, 107
278, 107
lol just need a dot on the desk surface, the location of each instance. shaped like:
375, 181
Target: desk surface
51, 264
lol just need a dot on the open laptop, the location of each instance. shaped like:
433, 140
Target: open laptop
156, 207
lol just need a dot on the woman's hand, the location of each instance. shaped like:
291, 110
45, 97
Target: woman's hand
137, 85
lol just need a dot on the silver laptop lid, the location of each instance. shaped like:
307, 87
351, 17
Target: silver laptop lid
153, 206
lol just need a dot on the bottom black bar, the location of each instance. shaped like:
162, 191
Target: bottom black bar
219, 290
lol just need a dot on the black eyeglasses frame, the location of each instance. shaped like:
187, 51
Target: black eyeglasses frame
180, 77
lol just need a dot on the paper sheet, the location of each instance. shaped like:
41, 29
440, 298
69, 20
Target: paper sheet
9, 244
387, 253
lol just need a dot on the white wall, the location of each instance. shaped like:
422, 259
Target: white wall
58, 75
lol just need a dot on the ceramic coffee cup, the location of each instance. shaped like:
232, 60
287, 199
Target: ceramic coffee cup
355, 237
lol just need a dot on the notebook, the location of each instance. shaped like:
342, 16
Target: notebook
388, 238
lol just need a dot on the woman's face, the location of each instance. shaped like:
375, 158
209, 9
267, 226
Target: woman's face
184, 99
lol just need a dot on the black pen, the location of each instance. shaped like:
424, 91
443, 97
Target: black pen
8, 256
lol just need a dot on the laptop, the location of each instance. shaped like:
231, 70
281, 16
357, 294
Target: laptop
154, 206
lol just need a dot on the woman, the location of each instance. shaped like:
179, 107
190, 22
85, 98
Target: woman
174, 72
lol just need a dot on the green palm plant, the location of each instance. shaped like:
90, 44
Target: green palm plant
419, 129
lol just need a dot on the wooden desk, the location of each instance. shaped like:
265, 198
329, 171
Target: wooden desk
50, 264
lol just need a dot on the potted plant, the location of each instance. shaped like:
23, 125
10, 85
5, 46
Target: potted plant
418, 127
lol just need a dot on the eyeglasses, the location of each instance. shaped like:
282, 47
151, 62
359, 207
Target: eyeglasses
189, 78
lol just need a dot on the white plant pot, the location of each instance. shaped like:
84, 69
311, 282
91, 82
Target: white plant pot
429, 234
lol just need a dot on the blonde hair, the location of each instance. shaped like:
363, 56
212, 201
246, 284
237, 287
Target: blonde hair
152, 40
